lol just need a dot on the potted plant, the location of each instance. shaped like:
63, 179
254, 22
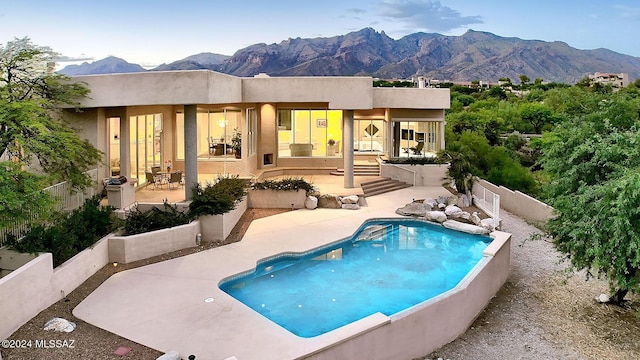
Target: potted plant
236, 143
332, 148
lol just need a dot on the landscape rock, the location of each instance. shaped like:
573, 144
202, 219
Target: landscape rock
452, 209
603, 298
442, 200
427, 206
452, 200
462, 216
351, 199
351, 206
437, 216
59, 324
329, 201
431, 202
468, 228
311, 202
488, 224
412, 209
171, 355
476, 219
463, 201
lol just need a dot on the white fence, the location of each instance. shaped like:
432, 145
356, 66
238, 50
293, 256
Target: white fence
487, 201
67, 199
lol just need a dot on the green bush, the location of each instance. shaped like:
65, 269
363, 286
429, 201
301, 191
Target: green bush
285, 184
218, 198
417, 160
68, 233
139, 222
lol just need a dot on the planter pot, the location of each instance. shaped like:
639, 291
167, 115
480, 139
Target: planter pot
218, 227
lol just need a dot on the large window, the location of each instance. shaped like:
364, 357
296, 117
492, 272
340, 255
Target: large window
252, 131
369, 136
309, 133
145, 132
417, 138
215, 129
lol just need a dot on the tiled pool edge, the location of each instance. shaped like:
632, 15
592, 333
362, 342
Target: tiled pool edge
425, 327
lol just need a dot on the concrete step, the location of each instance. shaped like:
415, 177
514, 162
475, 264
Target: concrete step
361, 170
381, 186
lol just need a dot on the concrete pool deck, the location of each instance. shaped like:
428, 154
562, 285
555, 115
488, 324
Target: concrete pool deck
167, 306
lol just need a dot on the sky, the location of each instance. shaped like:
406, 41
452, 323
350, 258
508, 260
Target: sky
151, 33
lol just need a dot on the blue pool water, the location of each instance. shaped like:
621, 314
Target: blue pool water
388, 266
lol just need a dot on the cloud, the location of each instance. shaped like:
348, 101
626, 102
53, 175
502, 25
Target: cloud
628, 12
63, 58
425, 14
356, 11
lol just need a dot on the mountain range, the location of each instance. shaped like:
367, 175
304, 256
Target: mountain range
474, 55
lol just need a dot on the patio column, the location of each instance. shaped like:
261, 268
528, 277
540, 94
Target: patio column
347, 136
442, 123
125, 141
190, 149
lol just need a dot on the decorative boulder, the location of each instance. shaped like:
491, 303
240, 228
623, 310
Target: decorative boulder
412, 209
351, 206
427, 206
468, 228
171, 355
452, 209
437, 216
603, 298
59, 324
442, 200
452, 200
488, 224
461, 216
463, 201
329, 201
311, 202
431, 202
476, 219
351, 199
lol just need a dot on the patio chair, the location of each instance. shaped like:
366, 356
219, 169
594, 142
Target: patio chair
417, 150
175, 178
152, 179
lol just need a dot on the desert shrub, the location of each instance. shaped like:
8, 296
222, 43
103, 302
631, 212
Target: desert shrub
217, 198
66, 234
285, 184
417, 160
154, 219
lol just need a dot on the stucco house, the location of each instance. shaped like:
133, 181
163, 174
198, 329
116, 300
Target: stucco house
189, 120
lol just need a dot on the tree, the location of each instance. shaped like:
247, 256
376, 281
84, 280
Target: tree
594, 165
38, 147
524, 79
537, 115
32, 129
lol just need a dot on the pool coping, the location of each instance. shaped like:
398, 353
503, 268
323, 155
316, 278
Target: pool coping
162, 305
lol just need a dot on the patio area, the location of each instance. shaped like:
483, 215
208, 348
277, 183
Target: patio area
326, 184
177, 305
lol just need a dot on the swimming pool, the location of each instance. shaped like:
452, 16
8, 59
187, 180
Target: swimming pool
387, 266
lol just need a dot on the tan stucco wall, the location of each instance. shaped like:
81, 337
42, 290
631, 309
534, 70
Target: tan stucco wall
161, 88
412, 98
339, 92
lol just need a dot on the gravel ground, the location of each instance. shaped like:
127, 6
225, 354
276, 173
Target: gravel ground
542, 312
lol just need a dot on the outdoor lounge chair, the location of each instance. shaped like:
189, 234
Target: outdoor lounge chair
417, 150
155, 180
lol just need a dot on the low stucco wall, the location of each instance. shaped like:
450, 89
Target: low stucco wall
11, 260
36, 285
434, 323
272, 199
218, 227
520, 204
126, 249
425, 175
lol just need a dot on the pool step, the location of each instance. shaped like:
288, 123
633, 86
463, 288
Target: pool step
381, 186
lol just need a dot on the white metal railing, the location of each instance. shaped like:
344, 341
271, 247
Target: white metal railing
67, 199
487, 201
409, 170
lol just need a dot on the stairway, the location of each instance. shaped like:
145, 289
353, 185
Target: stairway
365, 169
381, 186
